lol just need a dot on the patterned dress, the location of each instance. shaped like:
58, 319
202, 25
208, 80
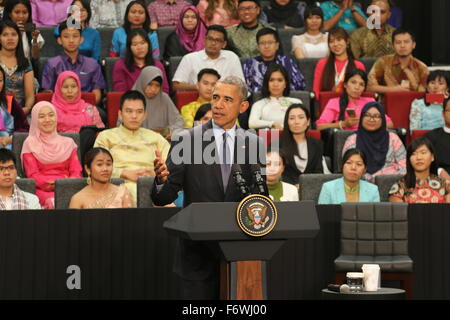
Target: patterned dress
15, 82
255, 69
431, 190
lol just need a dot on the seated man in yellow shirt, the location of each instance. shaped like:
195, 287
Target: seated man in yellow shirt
132, 147
206, 81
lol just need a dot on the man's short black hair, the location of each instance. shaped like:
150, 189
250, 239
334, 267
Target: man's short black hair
207, 71
403, 31
6, 155
132, 95
266, 31
219, 28
63, 25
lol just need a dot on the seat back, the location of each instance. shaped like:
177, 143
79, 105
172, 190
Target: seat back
339, 139
163, 33
108, 67
106, 35
286, 38
89, 97
144, 190
19, 138
66, 188
311, 185
51, 48
173, 65
307, 67
416, 134
398, 106
384, 183
374, 230
113, 107
269, 135
27, 185
182, 98
368, 63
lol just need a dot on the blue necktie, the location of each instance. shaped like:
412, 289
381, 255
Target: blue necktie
226, 161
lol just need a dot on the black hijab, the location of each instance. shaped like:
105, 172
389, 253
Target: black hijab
374, 144
286, 15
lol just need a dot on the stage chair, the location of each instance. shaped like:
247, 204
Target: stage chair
311, 184
384, 183
375, 233
144, 190
27, 185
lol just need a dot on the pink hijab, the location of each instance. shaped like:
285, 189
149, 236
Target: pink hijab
70, 114
191, 40
48, 148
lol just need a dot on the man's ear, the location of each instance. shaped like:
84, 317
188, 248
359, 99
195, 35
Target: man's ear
59, 40
244, 106
81, 40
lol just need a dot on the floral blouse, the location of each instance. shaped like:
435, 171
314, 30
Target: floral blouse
14, 82
422, 117
431, 190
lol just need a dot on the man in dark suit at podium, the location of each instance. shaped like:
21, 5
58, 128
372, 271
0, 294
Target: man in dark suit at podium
200, 163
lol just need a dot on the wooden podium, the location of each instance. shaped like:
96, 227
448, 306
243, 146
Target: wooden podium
243, 275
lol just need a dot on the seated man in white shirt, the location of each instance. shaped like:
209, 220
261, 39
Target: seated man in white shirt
225, 62
11, 197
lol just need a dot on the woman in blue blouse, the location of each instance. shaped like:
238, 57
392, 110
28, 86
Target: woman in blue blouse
427, 115
350, 188
136, 16
91, 45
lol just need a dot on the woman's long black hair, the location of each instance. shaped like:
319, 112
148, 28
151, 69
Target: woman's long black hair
287, 141
271, 69
22, 62
129, 58
329, 72
127, 24
410, 178
9, 6
344, 99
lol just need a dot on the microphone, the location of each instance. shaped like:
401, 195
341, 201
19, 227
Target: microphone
339, 288
239, 180
260, 184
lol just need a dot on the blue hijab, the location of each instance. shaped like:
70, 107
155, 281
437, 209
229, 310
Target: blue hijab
374, 144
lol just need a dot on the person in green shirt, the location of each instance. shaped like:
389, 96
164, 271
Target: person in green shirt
278, 190
243, 36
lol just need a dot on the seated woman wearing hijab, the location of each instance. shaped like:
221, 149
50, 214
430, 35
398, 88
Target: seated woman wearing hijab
100, 192
189, 35
46, 155
384, 150
163, 116
72, 111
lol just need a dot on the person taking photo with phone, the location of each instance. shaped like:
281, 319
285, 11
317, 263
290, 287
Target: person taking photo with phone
426, 114
344, 112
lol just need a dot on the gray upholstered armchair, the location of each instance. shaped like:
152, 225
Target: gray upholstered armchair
375, 233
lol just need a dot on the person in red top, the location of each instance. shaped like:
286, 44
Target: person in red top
330, 72
46, 155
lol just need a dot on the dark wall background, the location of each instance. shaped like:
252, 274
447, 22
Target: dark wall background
440, 34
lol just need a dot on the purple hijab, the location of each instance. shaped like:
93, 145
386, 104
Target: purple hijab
375, 144
191, 40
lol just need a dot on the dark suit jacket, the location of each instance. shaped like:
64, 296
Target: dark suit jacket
314, 164
202, 182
